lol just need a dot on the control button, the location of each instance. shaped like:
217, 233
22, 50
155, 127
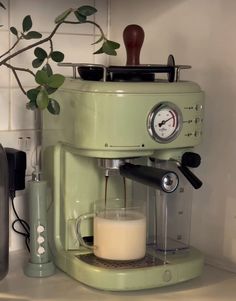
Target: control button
198, 107
40, 229
197, 120
167, 276
41, 250
40, 239
188, 134
197, 134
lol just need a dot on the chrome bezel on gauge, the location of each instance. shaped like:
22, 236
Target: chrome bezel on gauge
151, 117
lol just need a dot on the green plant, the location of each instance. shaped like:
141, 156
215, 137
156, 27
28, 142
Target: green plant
46, 81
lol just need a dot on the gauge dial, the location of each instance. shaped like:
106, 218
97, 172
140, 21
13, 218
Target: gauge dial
164, 122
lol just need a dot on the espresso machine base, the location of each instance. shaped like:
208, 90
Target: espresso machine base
150, 272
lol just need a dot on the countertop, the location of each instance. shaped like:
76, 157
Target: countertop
214, 284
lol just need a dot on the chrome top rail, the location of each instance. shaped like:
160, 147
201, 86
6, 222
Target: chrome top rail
178, 68
76, 65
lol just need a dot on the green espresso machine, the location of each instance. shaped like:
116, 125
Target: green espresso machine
144, 132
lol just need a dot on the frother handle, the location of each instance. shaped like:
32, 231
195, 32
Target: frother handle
133, 37
79, 220
191, 159
161, 179
196, 183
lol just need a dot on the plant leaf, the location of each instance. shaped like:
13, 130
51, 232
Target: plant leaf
41, 77
110, 51
31, 105
55, 81
86, 10
108, 47
53, 107
27, 23
50, 90
33, 35
80, 17
57, 56
63, 16
32, 94
48, 69
99, 51
14, 31
42, 99
2, 5
98, 41
36, 63
113, 44
40, 53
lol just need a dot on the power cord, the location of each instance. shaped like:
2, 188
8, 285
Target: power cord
25, 232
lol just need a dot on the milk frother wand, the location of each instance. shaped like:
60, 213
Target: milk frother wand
39, 264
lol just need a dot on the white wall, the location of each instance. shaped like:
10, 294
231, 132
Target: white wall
203, 34
17, 125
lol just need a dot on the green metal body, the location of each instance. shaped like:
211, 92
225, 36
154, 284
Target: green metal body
109, 120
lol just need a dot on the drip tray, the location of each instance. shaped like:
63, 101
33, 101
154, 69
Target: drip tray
147, 261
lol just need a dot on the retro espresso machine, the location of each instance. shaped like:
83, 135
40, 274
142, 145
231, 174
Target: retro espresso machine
141, 131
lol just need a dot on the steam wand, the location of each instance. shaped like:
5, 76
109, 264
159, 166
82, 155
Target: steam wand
161, 179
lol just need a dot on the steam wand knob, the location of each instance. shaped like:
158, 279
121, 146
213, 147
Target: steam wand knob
193, 160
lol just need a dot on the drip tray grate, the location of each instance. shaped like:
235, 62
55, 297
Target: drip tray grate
147, 261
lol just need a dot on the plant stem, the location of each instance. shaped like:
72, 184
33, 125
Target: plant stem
49, 38
13, 46
51, 49
98, 26
18, 81
90, 22
19, 69
31, 46
51, 45
14, 69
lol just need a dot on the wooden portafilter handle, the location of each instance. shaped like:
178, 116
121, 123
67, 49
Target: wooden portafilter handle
133, 36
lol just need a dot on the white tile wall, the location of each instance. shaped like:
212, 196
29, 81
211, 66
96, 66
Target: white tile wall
21, 118
101, 18
79, 50
4, 46
4, 105
4, 20
44, 12
74, 40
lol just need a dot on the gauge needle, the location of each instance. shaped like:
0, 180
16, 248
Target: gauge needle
164, 121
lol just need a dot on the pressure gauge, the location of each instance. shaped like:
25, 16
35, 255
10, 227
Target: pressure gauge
164, 122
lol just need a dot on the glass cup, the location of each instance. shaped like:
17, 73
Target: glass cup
119, 231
